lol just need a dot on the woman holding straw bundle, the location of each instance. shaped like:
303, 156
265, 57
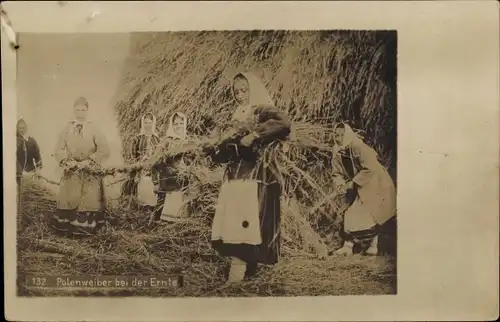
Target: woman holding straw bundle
139, 187
80, 202
246, 226
169, 185
360, 174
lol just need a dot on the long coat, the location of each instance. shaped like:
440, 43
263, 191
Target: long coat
358, 162
78, 190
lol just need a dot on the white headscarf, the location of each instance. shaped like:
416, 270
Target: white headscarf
170, 130
143, 131
258, 95
347, 139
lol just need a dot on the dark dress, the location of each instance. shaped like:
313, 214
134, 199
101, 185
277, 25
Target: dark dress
28, 154
168, 180
271, 125
28, 158
138, 150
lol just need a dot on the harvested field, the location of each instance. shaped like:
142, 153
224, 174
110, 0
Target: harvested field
130, 248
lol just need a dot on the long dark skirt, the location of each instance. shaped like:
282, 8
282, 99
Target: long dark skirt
129, 191
270, 216
159, 206
72, 222
129, 187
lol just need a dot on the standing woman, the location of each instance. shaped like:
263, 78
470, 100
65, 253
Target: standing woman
28, 151
246, 226
80, 202
142, 147
170, 186
28, 156
370, 187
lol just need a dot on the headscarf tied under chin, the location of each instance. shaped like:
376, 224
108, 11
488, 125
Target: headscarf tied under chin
151, 115
258, 95
347, 138
170, 130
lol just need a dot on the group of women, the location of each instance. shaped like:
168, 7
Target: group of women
149, 189
246, 226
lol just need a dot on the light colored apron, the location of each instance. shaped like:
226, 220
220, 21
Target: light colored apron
174, 207
237, 213
145, 191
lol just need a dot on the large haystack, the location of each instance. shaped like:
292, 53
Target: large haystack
316, 76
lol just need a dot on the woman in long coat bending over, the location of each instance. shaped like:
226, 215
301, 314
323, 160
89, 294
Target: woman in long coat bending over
80, 202
246, 225
359, 174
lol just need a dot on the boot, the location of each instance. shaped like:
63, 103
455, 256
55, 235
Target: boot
236, 271
346, 250
251, 271
373, 248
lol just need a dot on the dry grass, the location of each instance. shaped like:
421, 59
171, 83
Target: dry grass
317, 78
128, 247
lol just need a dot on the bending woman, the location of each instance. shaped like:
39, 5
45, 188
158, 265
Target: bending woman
361, 176
246, 225
80, 202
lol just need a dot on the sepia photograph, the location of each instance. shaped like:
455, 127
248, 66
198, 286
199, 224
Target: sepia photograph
242, 163
251, 160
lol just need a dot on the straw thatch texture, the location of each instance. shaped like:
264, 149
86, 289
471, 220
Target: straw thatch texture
315, 76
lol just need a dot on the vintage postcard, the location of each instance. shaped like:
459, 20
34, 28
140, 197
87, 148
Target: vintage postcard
308, 167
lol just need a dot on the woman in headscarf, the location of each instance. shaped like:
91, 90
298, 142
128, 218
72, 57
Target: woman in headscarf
368, 188
170, 186
246, 226
28, 156
80, 202
142, 147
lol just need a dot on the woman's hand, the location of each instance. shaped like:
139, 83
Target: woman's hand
344, 188
84, 163
248, 140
